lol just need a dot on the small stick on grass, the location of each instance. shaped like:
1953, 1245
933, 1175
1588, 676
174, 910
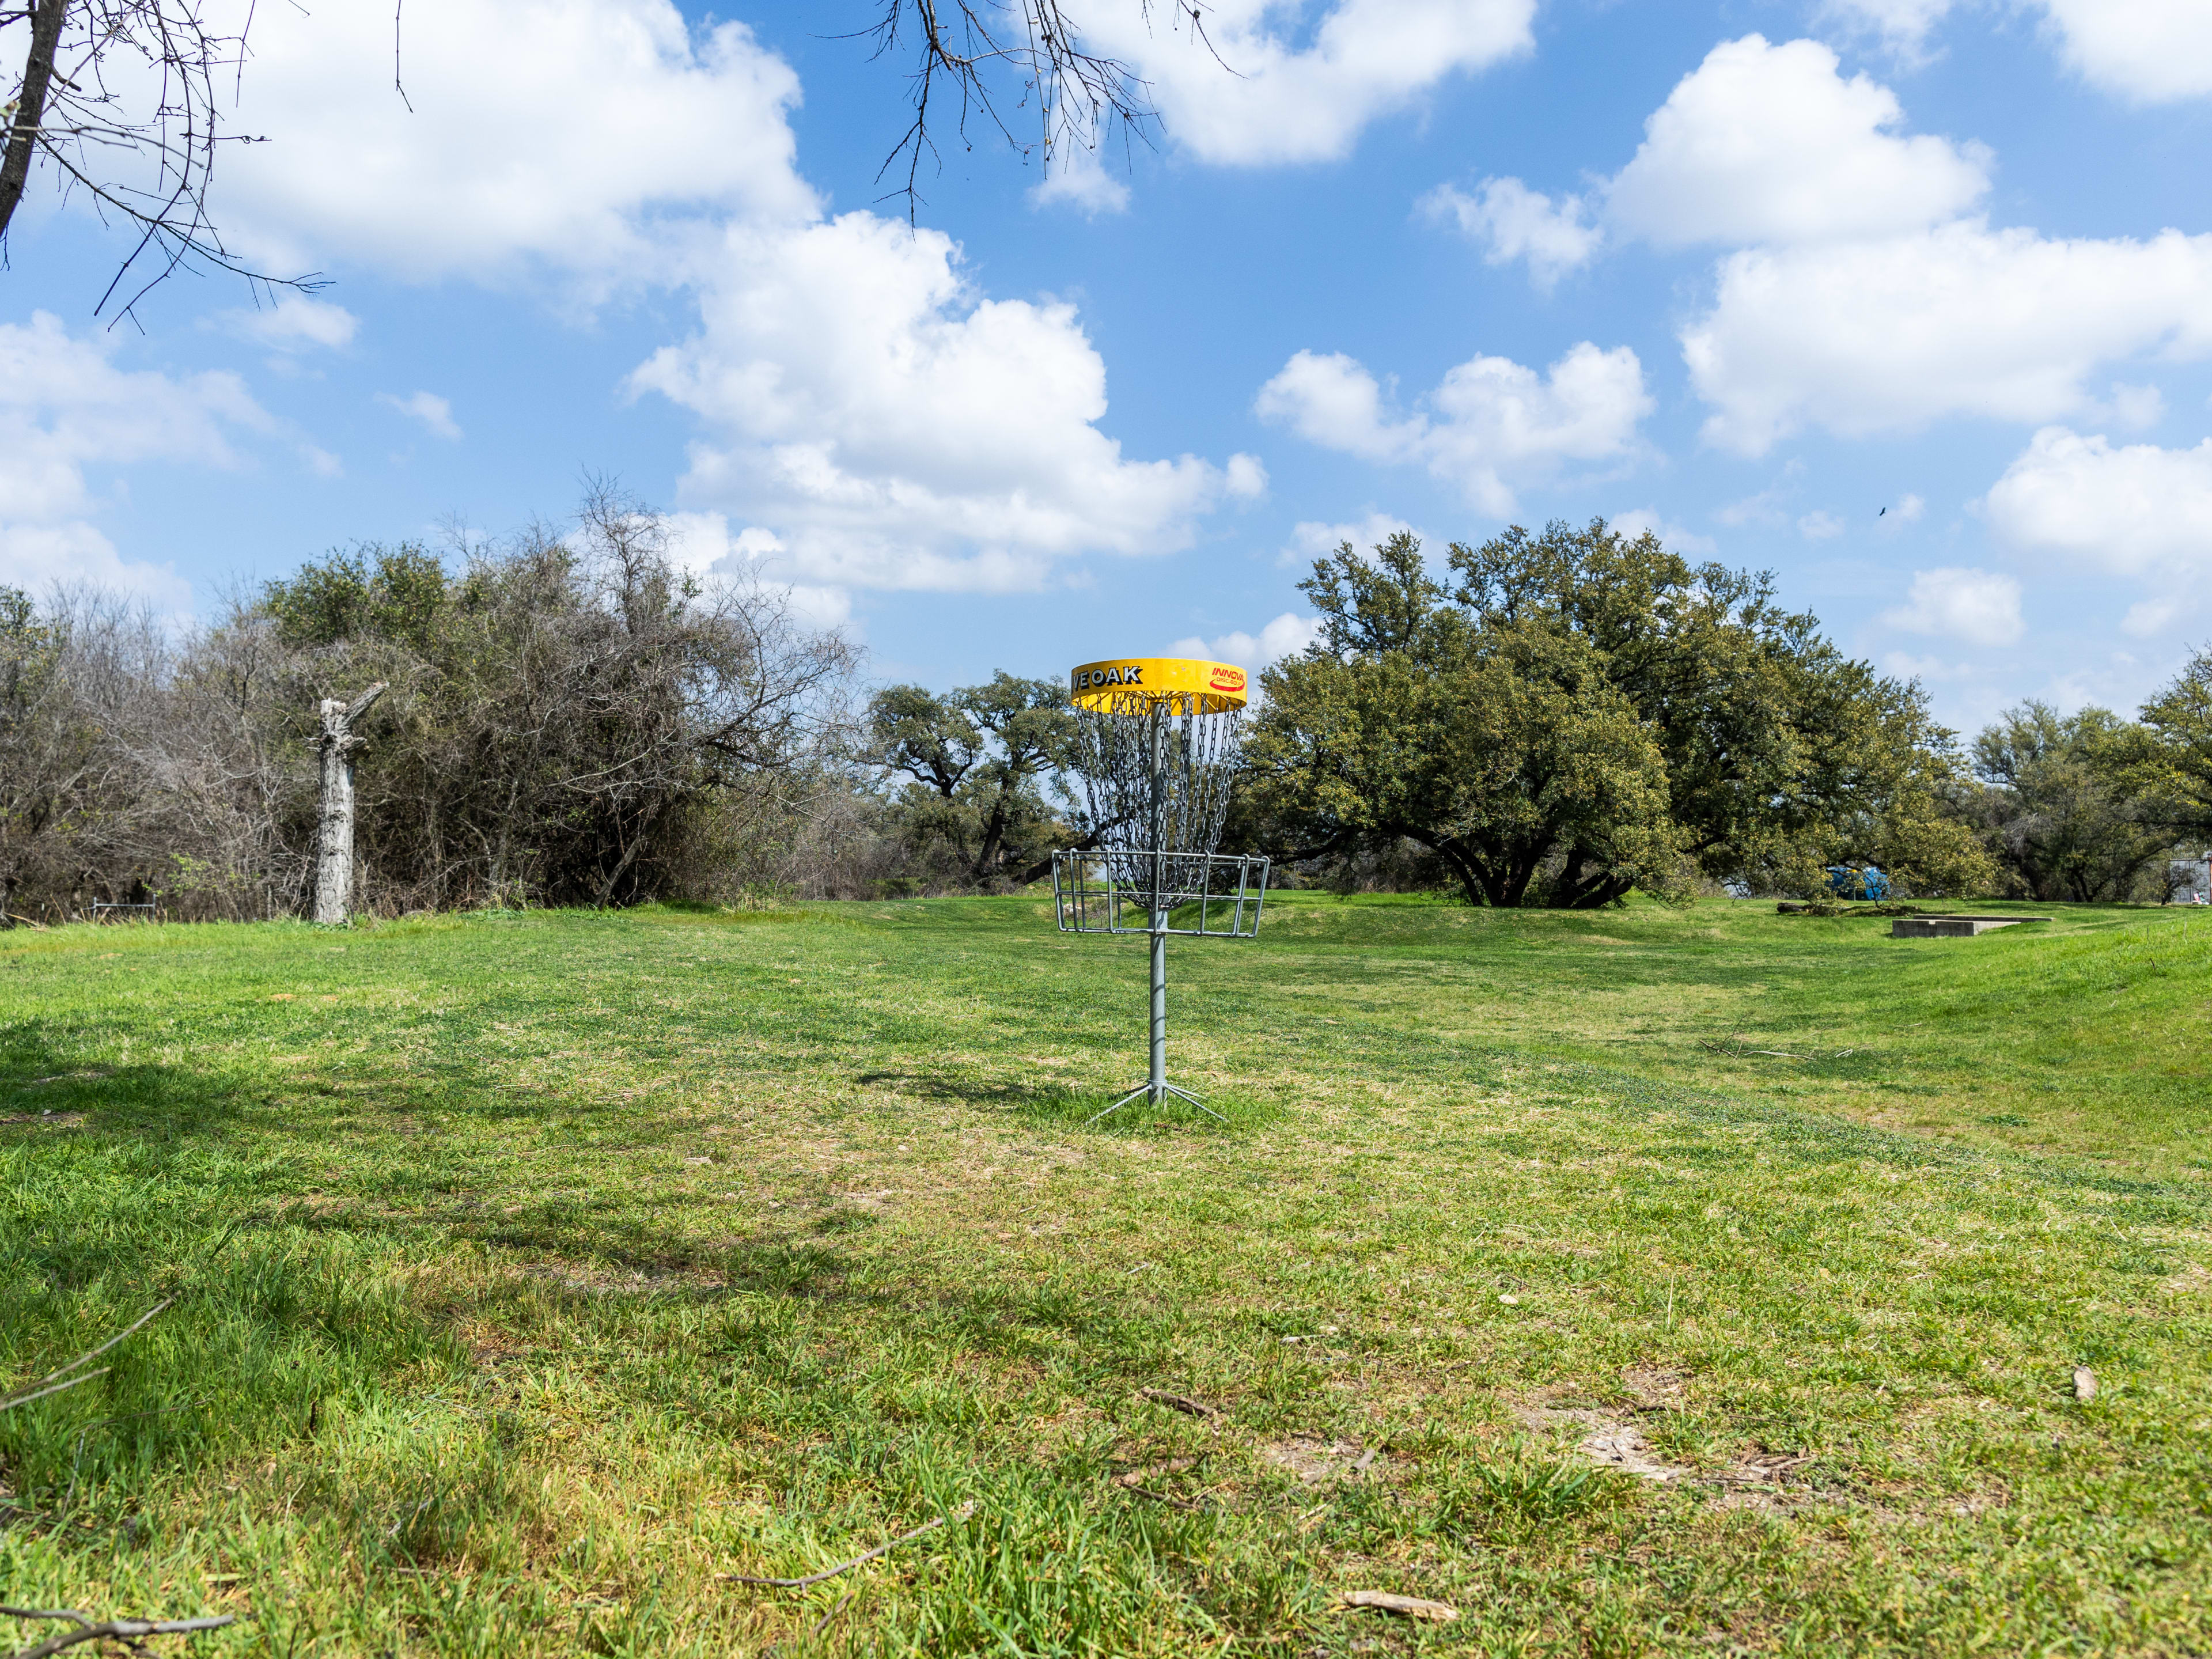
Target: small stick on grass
41, 1392
26, 1399
122, 1630
823, 1622
960, 1514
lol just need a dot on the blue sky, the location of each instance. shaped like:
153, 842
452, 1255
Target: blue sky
1747, 274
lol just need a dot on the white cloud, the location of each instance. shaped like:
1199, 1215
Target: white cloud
67, 408
2136, 407
1079, 178
1909, 509
1314, 538
1285, 636
1512, 221
1268, 85
701, 544
1769, 144
1888, 335
1496, 424
582, 135
428, 407
1903, 25
1977, 606
295, 322
1819, 525
896, 430
2148, 50
1244, 477
1674, 537
1904, 665
2138, 510
860, 402
2148, 618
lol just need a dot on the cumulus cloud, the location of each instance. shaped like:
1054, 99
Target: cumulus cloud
1979, 607
1903, 25
1079, 178
1674, 537
1819, 525
861, 401
2136, 509
2146, 51
596, 131
1285, 636
2148, 618
2150, 52
295, 322
1864, 294
1492, 424
1889, 334
1268, 85
1771, 144
701, 546
435, 413
1511, 222
67, 408
1315, 539
898, 429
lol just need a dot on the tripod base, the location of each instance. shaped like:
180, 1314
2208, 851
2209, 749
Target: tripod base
1157, 1093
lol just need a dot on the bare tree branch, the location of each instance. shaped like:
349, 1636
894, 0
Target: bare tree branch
118, 98
1031, 52
128, 1630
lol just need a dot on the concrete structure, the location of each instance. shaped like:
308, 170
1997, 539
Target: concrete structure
1952, 927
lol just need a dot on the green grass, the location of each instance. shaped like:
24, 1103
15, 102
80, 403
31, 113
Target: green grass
534, 1272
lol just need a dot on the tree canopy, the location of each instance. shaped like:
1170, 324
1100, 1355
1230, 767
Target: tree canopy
977, 762
1560, 718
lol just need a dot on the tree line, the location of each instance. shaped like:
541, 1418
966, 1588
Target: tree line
1544, 719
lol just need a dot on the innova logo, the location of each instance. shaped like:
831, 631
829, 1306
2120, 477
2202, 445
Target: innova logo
1227, 679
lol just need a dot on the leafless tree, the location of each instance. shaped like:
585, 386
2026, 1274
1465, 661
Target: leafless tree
1010, 64
118, 100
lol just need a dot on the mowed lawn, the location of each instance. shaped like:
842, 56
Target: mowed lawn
1655, 1281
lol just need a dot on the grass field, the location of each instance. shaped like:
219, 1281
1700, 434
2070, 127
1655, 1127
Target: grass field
533, 1273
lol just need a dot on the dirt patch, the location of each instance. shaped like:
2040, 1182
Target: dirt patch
1608, 1438
49, 1120
1318, 1462
1654, 1390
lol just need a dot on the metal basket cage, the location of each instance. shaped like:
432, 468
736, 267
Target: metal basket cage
1119, 891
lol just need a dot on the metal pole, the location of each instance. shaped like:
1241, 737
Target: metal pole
1157, 1086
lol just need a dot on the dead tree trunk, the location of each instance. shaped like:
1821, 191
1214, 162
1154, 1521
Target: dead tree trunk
334, 854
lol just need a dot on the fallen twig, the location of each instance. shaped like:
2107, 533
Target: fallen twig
823, 1622
960, 1514
123, 1629
26, 1399
1412, 1607
41, 1392
87, 1358
1180, 1402
1738, 1048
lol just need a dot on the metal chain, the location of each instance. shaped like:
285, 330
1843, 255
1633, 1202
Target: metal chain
1158, 775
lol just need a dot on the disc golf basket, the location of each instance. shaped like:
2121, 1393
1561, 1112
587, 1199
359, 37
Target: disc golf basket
1159, 742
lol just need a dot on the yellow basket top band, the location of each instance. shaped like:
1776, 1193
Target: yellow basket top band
1187, 684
